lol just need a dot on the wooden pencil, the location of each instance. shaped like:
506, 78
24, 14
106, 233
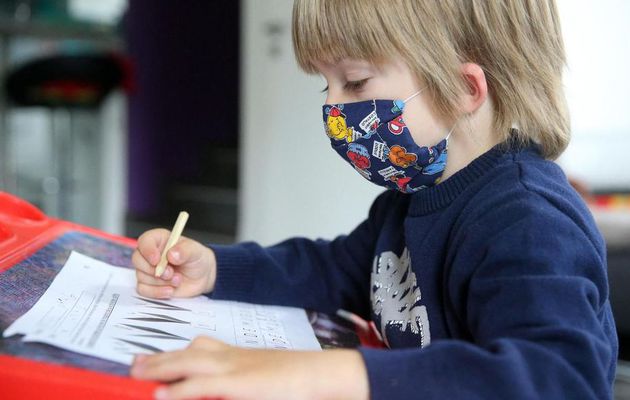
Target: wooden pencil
178, 228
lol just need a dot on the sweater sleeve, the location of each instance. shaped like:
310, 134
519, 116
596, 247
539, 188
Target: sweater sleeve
529, 287
321, 275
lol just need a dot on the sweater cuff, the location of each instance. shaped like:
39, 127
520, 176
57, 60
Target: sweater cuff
384, 380
235, 272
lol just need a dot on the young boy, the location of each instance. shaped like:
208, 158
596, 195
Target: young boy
482, 268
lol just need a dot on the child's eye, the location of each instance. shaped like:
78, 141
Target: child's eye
355, 85
350, 85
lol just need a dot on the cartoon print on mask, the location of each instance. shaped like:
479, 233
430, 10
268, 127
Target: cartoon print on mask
398, 106
336, 127
401, 181
370, 124
437, 166
398, 156
358, 155
364, 173
397, 125
396, 296
390, 172
397, 177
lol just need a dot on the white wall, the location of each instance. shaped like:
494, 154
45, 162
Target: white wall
597, 83
291, 182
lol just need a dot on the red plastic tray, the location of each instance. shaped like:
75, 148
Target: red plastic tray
24, 229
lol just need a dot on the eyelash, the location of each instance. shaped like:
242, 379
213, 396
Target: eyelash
351, 85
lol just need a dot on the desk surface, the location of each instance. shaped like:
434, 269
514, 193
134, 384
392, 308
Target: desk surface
23, 284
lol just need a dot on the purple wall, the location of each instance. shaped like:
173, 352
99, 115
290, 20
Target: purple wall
185, 59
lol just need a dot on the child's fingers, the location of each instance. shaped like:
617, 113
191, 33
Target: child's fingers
195, 387
141, 264
175, 365
156, 292
207, 343
150, 279
151, 243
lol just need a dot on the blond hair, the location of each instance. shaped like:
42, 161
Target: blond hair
518, 43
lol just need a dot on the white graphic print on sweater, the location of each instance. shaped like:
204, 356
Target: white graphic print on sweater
395, 297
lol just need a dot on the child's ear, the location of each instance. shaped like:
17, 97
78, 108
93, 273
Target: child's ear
477, 86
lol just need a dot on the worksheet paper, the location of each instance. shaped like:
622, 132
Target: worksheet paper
93, 308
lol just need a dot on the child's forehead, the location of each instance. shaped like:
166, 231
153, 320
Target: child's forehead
346, 65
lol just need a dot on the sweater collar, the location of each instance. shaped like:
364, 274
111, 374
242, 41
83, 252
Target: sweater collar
439, 196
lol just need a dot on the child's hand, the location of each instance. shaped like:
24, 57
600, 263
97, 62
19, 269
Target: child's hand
191, 268
212, 369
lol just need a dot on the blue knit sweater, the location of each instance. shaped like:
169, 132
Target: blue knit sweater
491, 285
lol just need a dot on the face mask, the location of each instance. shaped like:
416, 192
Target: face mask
372, 136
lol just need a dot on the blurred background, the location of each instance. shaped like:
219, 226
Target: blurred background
117, 114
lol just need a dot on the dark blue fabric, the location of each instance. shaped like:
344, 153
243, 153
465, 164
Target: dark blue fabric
509, 272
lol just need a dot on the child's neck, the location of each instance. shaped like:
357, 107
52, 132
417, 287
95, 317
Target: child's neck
470, 139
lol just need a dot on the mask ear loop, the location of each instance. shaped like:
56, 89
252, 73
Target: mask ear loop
448, 135
449, 132
413, 95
